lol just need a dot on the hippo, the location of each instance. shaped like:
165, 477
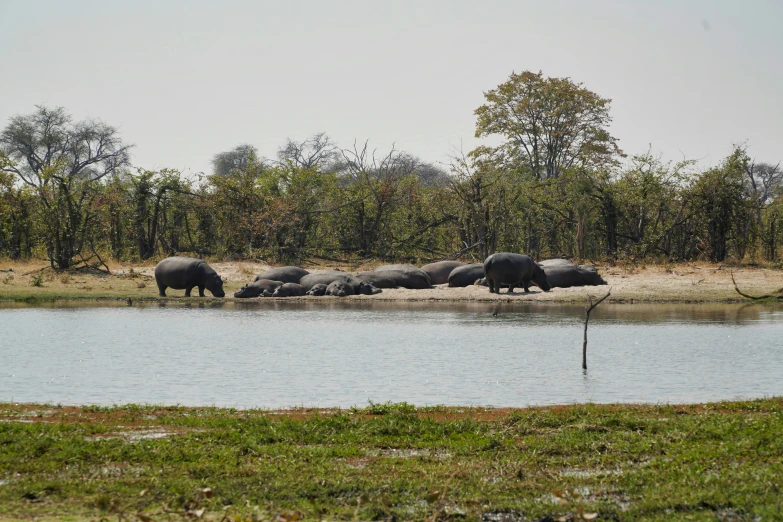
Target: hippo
439, 272
289, 290
187, 272
558, 261
258, 288
408, 277
564, 276
328, 276
284, 274
339, 289
377, 279
325, 277
513, 270
317, 290
466, 275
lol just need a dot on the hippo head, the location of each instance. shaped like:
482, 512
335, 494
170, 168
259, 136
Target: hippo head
215, 285
366, 288
539, 278
246, 291
338, 288
317, 290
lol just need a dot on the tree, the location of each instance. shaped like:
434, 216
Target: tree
317, 152
63, 162
550, 124
238, 158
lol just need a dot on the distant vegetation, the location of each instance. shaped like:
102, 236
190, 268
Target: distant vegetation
557, 185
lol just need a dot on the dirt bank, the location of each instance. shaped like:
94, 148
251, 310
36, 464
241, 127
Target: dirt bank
700, 282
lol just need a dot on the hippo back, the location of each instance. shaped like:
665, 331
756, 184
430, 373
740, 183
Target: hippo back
378, 279
439, 272
568, 276
284, 274
289, 290
411, 277
326, 277
546, 263
466, 275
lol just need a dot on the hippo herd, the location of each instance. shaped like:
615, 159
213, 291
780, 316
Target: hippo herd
500, 270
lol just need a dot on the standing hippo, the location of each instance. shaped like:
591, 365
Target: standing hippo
505, 268
289, 290
317, 290
258, 288
284, 274
187, 272
466, 275
439, 272
339, 289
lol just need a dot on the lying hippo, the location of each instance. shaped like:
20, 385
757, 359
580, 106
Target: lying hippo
258, 288
328, 276
439, 272
289, 290
339, 289
187, 272
317, 290
378, 279
284, 274
558, 261
407, 277
565, 276
466, 275
506, 268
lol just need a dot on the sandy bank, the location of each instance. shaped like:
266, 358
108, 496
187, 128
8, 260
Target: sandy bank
685, 283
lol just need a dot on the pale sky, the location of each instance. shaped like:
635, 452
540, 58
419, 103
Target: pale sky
184, 80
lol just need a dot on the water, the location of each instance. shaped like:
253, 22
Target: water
278, 354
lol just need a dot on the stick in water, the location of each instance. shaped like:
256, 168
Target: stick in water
587, 319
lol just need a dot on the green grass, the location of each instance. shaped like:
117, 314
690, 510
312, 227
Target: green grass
720, 461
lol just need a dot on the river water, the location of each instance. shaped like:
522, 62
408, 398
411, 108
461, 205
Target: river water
272, 354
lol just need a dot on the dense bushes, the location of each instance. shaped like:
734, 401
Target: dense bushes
287, 213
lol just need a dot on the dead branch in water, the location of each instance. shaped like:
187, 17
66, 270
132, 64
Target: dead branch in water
587, 319
768, 296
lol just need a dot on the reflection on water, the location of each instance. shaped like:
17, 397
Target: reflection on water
271, 353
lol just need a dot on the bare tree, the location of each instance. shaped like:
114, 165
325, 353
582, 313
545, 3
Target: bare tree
317, 151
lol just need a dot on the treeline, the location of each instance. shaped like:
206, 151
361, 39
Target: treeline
558, 186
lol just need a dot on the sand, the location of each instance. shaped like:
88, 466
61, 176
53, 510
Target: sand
683, 283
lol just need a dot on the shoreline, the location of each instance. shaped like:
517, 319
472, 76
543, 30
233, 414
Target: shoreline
686, 283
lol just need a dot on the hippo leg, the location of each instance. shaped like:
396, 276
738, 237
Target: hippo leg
511, 288
201, 291
162, 290
187, 291
526, 285
491, 284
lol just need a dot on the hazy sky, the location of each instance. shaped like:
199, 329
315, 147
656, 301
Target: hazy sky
183, 80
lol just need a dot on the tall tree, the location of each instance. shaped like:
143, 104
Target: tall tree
63, 162
238, 158
549, 124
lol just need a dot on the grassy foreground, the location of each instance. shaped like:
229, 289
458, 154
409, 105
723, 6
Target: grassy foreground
721, 461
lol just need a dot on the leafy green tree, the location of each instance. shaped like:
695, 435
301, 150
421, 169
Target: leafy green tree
63, 162
719, 198
549, 124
